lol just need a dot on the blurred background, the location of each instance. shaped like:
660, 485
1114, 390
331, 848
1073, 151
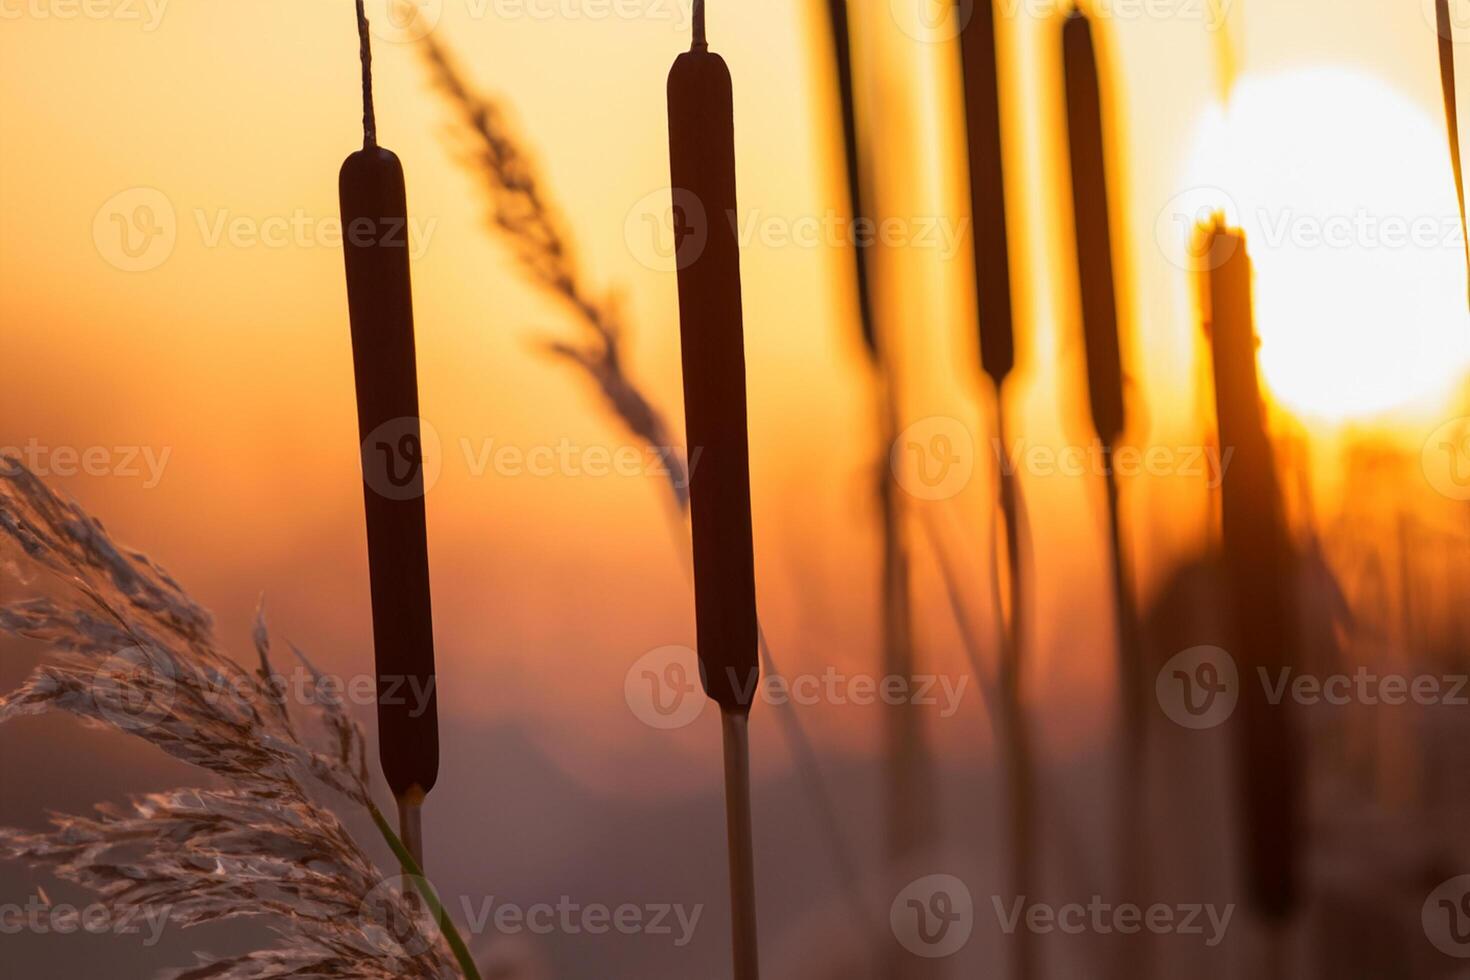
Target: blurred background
172, 302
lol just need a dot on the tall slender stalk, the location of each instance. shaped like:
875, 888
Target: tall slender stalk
979, 64
712, 345
1258, 565
1446, 30
380, 303
1105, 384
908, 789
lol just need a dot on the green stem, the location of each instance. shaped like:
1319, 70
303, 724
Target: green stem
441, 917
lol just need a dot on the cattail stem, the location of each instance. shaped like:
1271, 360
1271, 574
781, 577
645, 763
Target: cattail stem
735, 726
365, 54
411, 826
700, 41
1446, 29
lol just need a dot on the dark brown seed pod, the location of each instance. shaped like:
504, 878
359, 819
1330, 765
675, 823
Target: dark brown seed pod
380, 304
1258, 566
702, 165
1093, 240
979, 64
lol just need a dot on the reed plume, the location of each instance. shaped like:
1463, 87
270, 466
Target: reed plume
131, 652
523, 216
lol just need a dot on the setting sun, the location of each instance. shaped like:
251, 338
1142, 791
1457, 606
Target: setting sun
1344, 190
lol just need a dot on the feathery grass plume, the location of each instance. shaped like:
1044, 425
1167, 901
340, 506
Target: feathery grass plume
980, 69
1258, 568
1446, 31
134, 654
522, 213
1108, 413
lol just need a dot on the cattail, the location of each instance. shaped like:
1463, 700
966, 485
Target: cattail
1106, 408
979, 65
702, 165
1257, 560
908, 791
1446, 30
380, 305
842, 56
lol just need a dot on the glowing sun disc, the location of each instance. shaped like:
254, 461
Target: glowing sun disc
1344, 190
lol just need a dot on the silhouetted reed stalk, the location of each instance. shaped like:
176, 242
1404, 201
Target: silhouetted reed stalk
908, 793
1258, 566
1105, 383
1446, 28
523, 214
380, 302
980, 68
712, 344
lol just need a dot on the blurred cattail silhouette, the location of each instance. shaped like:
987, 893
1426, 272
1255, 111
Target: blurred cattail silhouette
979, 64
380, 301
712, 342
1105, 387
908, 789
1446, 29
1258, 572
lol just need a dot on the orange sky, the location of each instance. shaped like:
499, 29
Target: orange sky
234, 358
